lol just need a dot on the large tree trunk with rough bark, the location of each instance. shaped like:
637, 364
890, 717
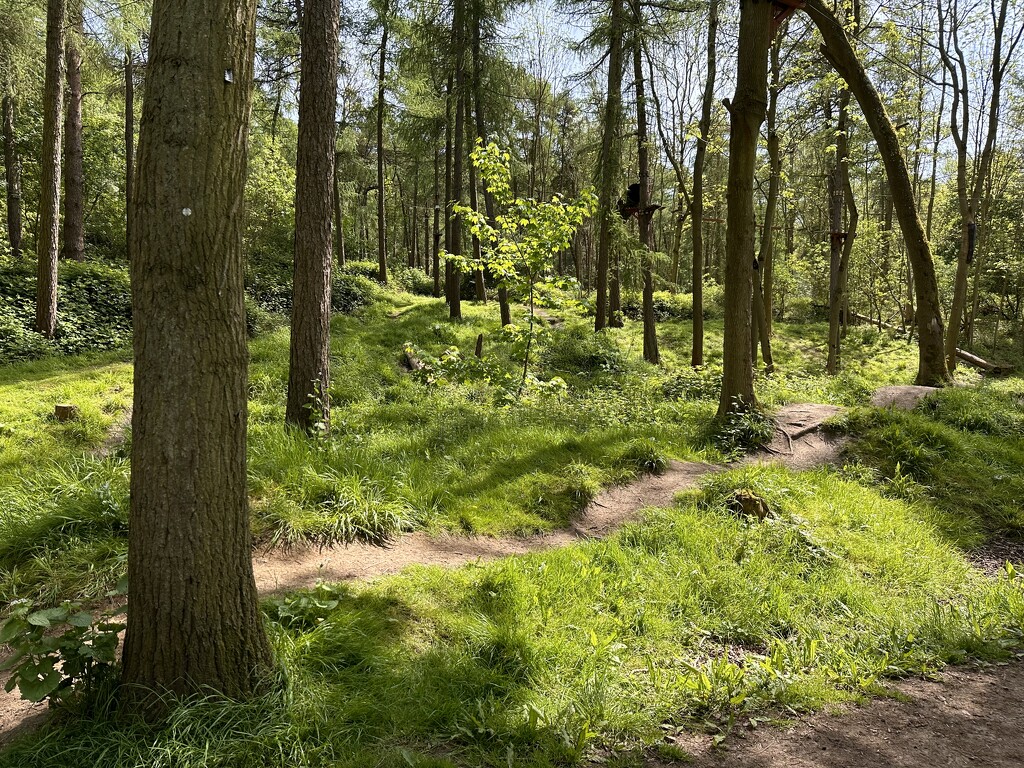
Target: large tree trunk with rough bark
747, 113
839, 51
697, 198
74, 175
308, 405
608, 168
48, 232
194, 623
12, 174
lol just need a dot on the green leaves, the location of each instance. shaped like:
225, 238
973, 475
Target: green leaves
526, 234
45, 664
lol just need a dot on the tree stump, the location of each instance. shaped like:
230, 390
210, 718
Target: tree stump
65, 412
746, 503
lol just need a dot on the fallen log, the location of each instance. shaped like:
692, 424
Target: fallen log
988, 367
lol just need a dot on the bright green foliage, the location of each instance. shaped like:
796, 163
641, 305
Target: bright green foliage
526, 234
692, 618
45, 663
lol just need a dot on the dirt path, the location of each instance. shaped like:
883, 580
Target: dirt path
798, 443
883, 733
970, 717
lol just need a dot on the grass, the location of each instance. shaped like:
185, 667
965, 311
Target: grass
401, 453
692, 618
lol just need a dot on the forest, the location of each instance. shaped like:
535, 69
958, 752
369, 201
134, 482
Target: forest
510, 383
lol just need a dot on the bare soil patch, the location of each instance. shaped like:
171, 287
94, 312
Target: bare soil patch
970, 717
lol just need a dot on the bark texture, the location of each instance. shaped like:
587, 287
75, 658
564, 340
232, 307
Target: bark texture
382, 257
608, 168
458, 156
49, 172
747, 112
12, 174
842, 197
697, 199
129, 145
308, 405
74, 175
194, 623
839, 51
644, 216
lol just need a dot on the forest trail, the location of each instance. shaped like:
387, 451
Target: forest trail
799, 443
970, 717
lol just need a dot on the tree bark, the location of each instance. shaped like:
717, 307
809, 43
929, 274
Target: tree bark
129, 146
842, 241
504, 309
697, 199
747, 113
766, 251
644, 215
436, 251
458, 144
839, 52
969, 193
608, 170
12, 174
194, 624
308, 404
339, 218
74, 176
382, 258
49, 171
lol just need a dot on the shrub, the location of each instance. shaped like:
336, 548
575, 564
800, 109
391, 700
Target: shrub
367, 269
410, 279
674, 306
94, 311
352, 292
577, 349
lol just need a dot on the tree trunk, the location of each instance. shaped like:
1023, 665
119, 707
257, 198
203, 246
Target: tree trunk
436, 251
474, 203
644, 216
608, 170
449, 151
839, 51
12, 174
49, 172
697, 199
339, 219
129, 146
747, 113
194, 624
308, 405
74, 176
382, 258
504, 309
969, 193
766, 251
458, 144
842, 241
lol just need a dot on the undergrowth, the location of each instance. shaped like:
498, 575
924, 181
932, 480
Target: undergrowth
695, 617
